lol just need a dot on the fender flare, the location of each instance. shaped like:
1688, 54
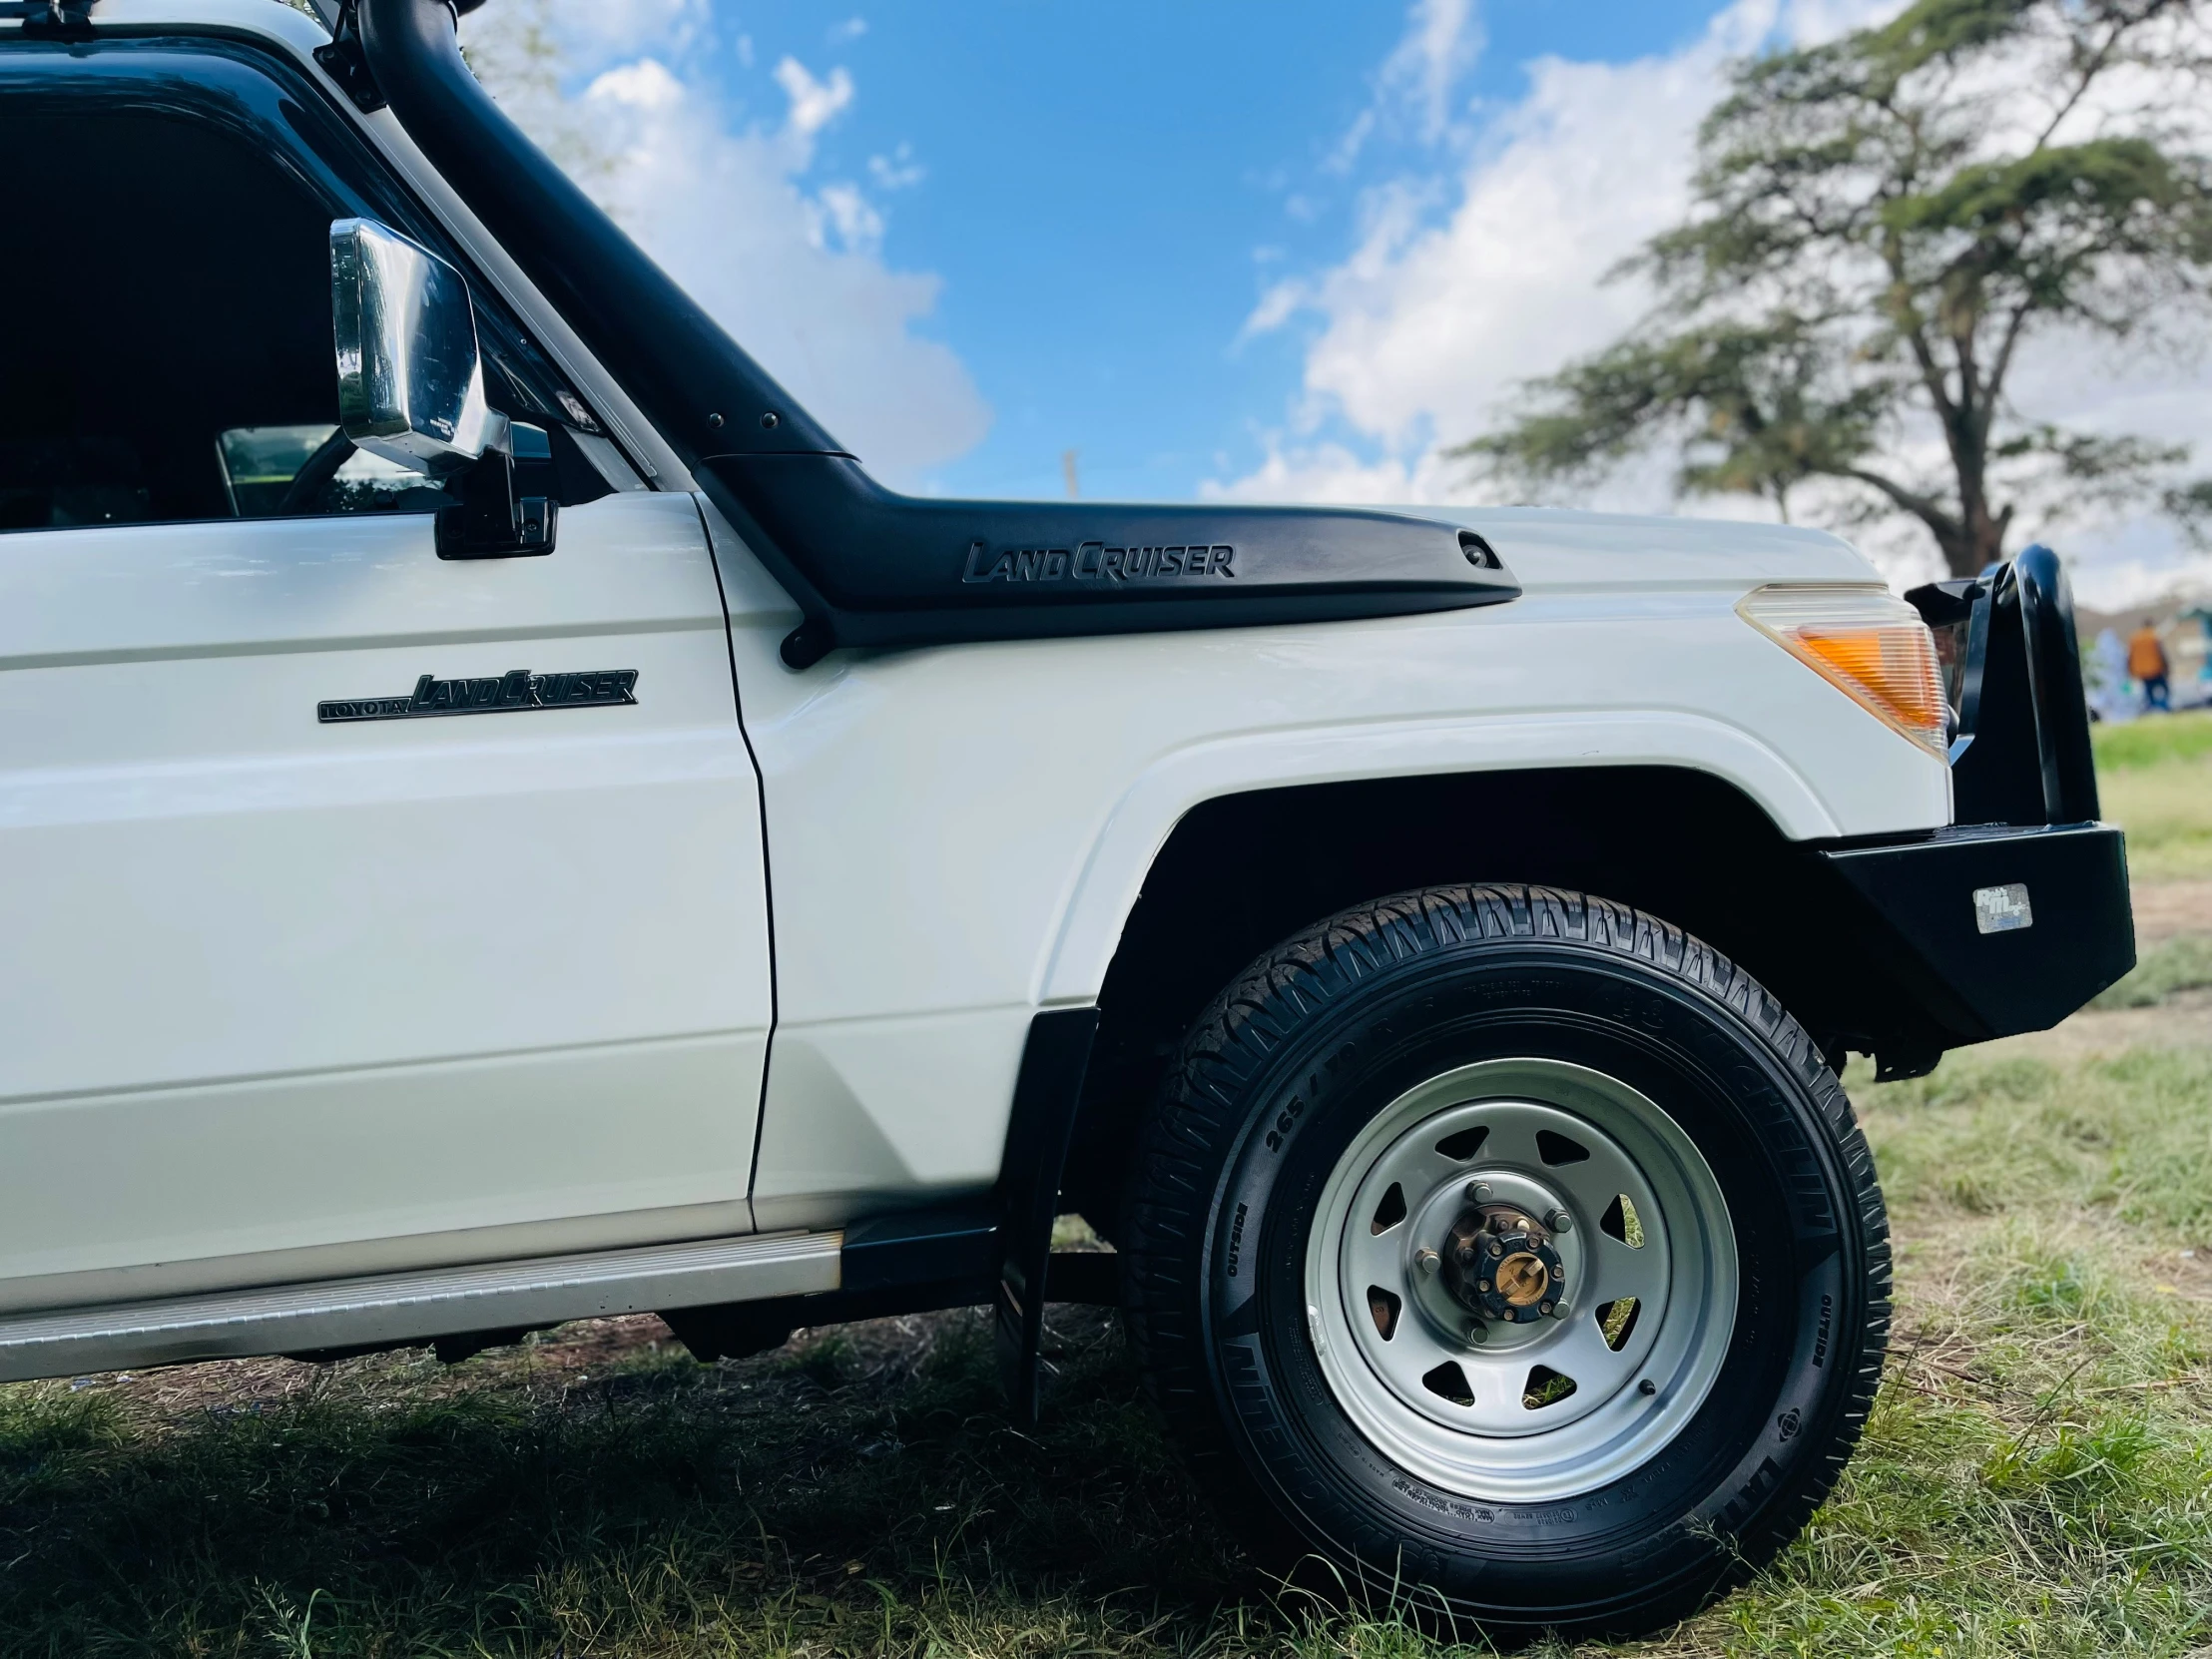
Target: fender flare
1074, 967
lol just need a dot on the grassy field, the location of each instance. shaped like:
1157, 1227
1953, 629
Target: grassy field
2036, 1480
2155, 777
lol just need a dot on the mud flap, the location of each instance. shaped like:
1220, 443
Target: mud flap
1046, 1093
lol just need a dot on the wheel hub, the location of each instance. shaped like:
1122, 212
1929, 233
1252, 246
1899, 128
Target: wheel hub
1499, 1265
1521, 1279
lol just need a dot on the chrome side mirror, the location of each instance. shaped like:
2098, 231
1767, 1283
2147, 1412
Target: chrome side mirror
410, 379
411, 390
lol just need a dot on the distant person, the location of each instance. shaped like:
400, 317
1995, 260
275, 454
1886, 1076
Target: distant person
2111, 689
2146, 661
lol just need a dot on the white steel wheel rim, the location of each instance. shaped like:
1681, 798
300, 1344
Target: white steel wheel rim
1473, 1435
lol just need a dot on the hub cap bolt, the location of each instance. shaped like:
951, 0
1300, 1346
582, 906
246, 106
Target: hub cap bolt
1496, 1248
1559, 1221
1427, 1259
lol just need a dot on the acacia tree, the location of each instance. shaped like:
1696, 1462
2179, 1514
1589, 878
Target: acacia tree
1879, 225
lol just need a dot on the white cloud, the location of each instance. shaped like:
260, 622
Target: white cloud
851, 215
1415, 85
1438, 48
1462, 284
1428, 323
793, 267
897, 171
614, 27
853, 28
1331, 474
643, 86
815, 104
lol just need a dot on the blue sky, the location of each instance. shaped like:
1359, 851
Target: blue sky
1095, 199
1273, 249
1107, 191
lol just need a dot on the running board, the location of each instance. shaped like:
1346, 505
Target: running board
405, 1306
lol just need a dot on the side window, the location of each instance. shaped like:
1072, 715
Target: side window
176, 360
179, 363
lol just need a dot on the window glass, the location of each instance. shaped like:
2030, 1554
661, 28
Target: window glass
278, 471
178, 360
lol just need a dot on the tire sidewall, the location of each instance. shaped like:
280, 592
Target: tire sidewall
1673, 1526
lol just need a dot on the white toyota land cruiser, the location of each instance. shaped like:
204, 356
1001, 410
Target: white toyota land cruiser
1422, 943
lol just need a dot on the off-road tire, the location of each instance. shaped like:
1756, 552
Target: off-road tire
1316, 1037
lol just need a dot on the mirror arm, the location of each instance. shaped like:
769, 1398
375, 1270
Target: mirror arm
494, 520
315, 475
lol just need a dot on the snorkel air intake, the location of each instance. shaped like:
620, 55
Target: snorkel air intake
866, 566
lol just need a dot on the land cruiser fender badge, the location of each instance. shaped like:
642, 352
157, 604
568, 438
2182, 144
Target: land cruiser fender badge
1095, 561
510, 692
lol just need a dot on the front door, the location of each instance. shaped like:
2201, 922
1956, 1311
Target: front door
288, 993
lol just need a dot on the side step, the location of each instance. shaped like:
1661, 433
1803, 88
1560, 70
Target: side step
393, 1308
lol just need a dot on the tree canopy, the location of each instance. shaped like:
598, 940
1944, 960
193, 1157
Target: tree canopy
1878, 223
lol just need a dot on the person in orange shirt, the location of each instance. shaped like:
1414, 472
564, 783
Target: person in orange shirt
2146, 661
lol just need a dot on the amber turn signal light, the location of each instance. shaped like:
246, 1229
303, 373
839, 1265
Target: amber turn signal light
1868, 644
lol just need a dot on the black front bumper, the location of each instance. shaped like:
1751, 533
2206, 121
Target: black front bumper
1990, 930
2018, 915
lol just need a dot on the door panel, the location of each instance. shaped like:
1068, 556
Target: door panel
273, 984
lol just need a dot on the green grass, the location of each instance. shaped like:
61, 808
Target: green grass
858, 1494
2154, 740
2161, 971
2035, 1478
2128, 1139
2167, 811
2154, 777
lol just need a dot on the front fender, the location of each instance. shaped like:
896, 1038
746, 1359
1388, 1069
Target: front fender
1147, 813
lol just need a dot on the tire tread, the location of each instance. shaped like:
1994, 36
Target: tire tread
1196, 1118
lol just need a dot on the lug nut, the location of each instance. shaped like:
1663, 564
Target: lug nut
1478, 1334
1427, 1259
1559, 1221
1647, 1386
1479, 1191
1557, 1310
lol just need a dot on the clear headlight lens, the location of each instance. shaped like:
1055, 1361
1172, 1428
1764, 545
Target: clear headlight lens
1867, 643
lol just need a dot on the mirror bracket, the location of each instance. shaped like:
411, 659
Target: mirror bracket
493, 519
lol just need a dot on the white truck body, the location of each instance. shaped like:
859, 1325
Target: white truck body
607, 854
270, 1020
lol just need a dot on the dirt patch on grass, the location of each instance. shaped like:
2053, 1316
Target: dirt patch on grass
2183, 1021
2171, 910
220, 1387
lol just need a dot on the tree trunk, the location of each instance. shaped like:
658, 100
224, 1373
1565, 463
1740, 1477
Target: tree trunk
1979, 541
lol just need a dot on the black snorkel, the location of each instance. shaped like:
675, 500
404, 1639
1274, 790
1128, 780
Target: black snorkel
866, 566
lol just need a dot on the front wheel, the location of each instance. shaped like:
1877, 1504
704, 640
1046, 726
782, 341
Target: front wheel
1516, 1254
